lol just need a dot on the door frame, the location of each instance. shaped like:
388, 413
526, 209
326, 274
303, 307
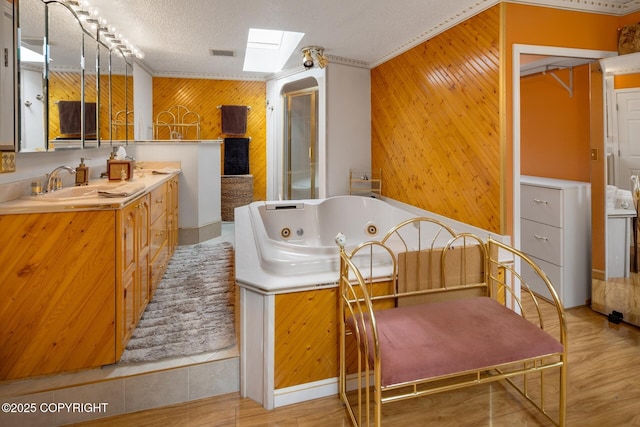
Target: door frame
313, 92
519, 49
615, 131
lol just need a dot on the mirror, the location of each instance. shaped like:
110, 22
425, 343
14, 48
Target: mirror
103, 95
33, 97
7, 77
64, 78
89, 95
76, 92
121, 97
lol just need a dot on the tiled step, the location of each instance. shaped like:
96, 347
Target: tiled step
114, 390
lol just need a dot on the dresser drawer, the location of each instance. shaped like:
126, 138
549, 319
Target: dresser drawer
542, 241
541, 204
537, 285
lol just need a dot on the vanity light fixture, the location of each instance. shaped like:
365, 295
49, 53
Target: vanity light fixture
311, 52
90, 16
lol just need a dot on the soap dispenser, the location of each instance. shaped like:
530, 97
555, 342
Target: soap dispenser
82, 173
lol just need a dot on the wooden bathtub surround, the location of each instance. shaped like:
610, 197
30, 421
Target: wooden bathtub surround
458, 334
74, 284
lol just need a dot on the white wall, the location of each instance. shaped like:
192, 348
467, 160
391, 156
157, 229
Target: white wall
275, 132
344, 120
142, 103
199, 181
36, 165
348, 124
31, 136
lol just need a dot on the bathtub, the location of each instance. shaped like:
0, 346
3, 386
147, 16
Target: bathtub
288, 244
286, 266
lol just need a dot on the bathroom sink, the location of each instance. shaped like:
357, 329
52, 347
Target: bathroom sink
67, 194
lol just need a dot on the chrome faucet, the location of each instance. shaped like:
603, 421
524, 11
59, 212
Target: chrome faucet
52, 177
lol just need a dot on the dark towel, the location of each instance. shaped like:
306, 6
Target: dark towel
234, 119
89, 119
69, 114
236, 156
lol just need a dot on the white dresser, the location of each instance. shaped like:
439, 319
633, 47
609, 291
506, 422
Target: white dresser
556, 233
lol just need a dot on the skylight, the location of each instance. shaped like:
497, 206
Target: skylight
268, 50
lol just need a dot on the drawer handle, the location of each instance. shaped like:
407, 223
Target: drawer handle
541, 202
539, 237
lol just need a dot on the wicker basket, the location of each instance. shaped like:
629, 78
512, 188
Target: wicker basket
236, 190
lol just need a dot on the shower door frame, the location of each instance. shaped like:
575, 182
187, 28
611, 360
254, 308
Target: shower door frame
313, 93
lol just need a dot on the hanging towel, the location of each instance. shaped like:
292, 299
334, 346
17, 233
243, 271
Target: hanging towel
236, 156
234, 119
90, 119
69, 113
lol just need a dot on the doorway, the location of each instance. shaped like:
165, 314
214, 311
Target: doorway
628, 145
301, 144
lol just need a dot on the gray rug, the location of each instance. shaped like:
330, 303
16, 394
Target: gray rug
192, 311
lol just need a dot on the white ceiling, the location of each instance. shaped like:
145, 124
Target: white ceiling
176, 35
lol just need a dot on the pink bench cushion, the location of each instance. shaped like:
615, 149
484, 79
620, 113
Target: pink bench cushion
431, 340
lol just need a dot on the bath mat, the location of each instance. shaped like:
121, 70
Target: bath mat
192, 311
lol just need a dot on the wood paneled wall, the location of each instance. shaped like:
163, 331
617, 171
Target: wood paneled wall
203, 96
66, 86
435, 123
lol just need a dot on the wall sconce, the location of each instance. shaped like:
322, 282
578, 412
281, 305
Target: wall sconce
308, 54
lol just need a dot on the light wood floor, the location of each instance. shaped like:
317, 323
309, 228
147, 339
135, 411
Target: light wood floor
603, 390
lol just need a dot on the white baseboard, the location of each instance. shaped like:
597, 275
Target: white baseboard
307, 391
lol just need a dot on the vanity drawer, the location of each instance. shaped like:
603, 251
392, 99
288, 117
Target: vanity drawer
542, 241
159, 235
541, 204
158, 202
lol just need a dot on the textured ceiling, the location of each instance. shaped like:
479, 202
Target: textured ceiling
176, 35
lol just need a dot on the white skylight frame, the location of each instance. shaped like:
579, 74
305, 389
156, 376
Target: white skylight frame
268, 50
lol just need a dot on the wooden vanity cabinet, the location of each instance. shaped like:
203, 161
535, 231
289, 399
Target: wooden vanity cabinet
145, 247
132, 259
57, 304
73, 285
172, 214
159, 253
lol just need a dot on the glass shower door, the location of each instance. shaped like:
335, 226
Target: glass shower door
301, 145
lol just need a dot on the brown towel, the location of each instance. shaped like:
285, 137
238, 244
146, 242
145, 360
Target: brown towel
69, 113
234, 119
90, 119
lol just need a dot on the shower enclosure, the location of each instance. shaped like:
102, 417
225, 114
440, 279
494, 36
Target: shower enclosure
301, 144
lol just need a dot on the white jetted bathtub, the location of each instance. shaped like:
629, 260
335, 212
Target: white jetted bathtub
286, 263
289, 244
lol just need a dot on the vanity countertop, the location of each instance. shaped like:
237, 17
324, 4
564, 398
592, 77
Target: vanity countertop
621, 213
138, 186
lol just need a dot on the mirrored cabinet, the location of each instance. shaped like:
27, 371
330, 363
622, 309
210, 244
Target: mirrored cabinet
74, 79
7, 76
